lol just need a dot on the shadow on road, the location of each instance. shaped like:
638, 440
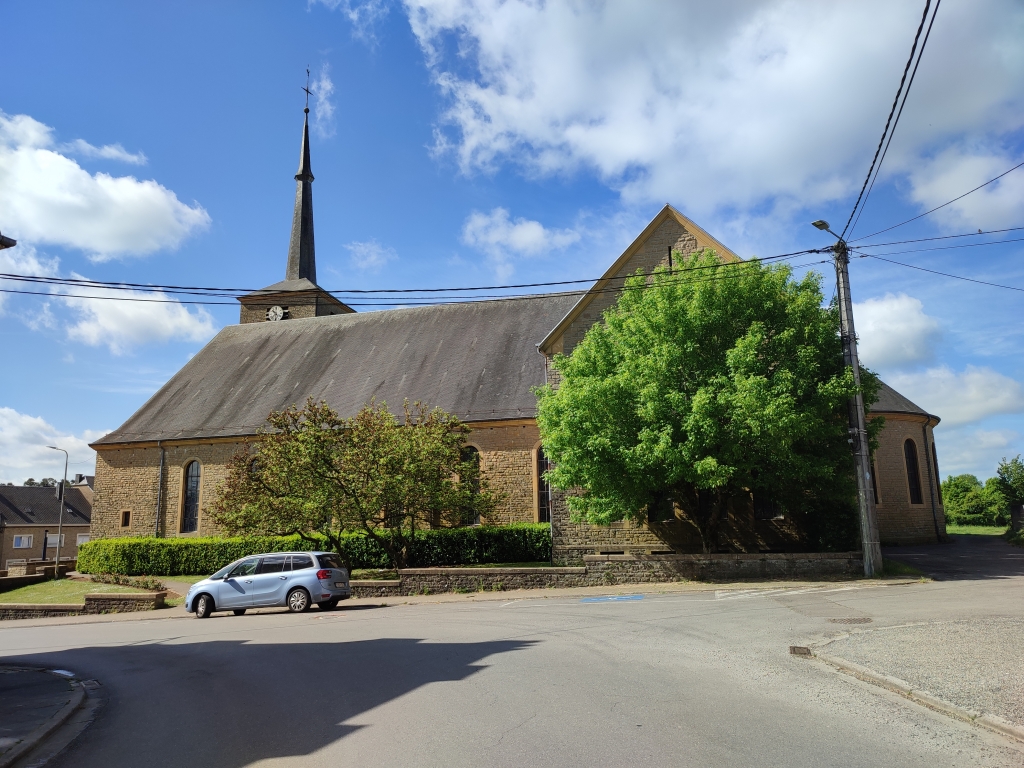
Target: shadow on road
964, 556
229, 703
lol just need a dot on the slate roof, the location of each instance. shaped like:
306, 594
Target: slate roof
285, 286
35, 505
891, 401
477, 360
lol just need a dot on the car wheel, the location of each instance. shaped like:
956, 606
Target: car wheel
239, 611
298, 600
204, 606
328, 605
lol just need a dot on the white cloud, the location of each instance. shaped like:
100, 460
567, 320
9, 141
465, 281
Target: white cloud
961, 398
323, 108
370, 256
106, 152
47, 197
23, 451
960, 168
363, 15
894, 332
122, 325
501, 237
973, 451
734, 110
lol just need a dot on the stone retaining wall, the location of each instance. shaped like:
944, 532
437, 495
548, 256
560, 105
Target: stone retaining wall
7, 583
600, 570
103, 602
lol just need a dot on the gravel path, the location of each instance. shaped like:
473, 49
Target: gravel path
976, 664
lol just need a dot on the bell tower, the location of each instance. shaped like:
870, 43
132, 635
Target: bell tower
297, 295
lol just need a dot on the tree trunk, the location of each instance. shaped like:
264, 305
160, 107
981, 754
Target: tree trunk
705, 507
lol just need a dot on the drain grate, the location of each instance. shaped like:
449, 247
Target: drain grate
852, 620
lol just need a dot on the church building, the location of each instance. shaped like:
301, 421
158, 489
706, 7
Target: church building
158, 473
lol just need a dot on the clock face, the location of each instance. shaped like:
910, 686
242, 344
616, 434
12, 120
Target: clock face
275, 313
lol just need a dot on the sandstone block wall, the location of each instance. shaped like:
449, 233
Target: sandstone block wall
654, 252
127, 479
899, 521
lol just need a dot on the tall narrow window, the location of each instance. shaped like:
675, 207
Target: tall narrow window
874, 479
913, 472
543, 489
471, 454
938, 477
190, 509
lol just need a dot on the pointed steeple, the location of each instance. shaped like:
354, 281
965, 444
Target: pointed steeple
301, 252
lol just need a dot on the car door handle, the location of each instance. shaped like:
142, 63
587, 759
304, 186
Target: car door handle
248, 581
282, 578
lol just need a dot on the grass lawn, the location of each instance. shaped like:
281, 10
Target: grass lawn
62, 591
977, 530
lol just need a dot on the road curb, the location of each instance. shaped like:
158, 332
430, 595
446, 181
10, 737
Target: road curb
37, 736
902, 687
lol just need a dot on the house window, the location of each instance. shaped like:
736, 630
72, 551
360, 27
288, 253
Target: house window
81, 539
913, 472
874, 480
126, 518
543, 488
938, 477
190, 508
23, 542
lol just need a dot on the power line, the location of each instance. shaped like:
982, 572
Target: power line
415, 301
892, 111
899, 114
951, 247
942, 237
943, 274
237, 292
950, 202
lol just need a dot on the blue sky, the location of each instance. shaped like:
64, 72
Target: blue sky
462, 142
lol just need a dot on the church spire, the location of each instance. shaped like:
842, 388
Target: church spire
301, 253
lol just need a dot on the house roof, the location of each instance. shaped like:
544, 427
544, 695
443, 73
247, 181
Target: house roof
891, 401
477, 360
36, 505
704, 240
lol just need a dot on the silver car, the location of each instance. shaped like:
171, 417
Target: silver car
293, 579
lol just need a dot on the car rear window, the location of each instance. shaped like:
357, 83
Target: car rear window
329, 561
301, 561
273, 564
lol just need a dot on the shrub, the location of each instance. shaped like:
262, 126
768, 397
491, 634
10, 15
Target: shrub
969, 502
521, 542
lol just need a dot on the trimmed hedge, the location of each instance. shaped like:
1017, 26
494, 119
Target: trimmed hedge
149, 556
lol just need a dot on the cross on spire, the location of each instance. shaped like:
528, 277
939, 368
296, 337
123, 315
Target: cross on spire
306, 89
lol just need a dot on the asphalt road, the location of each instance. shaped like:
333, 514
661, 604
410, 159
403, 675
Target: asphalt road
685, 679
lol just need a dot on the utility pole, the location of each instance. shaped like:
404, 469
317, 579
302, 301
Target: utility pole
60, 520
858, 428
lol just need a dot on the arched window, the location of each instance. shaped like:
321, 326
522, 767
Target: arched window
543, 489
938, 477
913, 472
190, 507
470, 454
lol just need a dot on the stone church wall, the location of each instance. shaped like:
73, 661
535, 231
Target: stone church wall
126, 480
899, 521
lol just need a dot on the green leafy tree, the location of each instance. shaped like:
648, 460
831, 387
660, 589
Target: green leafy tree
315, 474
969, 502
705, 386
1011, 480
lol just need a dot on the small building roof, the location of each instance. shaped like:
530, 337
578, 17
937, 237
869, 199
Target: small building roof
477, 360
39, 505
891, 401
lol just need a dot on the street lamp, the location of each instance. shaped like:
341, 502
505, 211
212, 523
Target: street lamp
858, 428
6, 242
60, 520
